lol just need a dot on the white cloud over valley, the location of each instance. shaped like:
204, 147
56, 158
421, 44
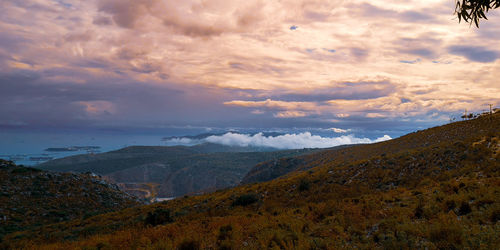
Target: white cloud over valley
289, 141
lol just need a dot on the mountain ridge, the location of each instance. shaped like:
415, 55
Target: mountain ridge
170, 171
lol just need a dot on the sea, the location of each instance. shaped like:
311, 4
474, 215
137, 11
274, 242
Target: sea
30, 148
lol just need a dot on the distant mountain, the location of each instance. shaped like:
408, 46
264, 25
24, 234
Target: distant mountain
432, 189
30, 197
161, 171
206, 135
194, 137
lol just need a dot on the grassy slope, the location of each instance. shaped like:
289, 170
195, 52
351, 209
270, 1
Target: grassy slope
430, 137
442, 194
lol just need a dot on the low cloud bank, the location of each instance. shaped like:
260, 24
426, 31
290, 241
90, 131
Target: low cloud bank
288, 141
181, 141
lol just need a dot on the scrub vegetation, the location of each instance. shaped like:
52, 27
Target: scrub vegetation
30, 197
443, 194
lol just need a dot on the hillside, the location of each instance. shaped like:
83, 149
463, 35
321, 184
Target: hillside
154, 171
31, 197
434, 195
458, 131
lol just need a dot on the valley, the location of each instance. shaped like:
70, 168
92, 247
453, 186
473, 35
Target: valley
151, 172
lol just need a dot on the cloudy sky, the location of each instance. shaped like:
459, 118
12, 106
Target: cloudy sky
378, 65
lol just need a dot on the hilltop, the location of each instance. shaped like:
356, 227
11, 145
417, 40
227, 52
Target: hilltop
30, 197
437, 189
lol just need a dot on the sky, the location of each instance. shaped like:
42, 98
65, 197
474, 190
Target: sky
375, 68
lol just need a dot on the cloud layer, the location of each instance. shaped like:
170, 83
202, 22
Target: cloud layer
289, 141
259, 64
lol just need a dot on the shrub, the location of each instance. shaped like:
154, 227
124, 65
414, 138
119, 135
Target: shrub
464, 209
245, 200
158, 217
224, 238
21, 170
225, 232
446, 236
283, 240
189, 245
419, 212
304, 185
495, 216
450, 205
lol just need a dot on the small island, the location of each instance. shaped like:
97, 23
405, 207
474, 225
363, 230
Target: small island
74, 148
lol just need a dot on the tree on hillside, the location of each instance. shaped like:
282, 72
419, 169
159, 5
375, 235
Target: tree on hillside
472, 11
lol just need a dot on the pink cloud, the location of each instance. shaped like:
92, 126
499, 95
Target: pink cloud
248, 45
95, 108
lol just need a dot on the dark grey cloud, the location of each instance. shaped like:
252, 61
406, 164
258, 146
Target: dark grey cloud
345, 91
410, 62
146, 67
411, 16
32, 5
425, 45
426, 40
372, 10
475, 53
92, 63
64, 4
193, 29
360, 53
79, 37
124, 13
10, 41
128, 53
423, 52
316, 16
424, 90
102, 20
405, 100
236, 65
264, 67
414, 16
28, 99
